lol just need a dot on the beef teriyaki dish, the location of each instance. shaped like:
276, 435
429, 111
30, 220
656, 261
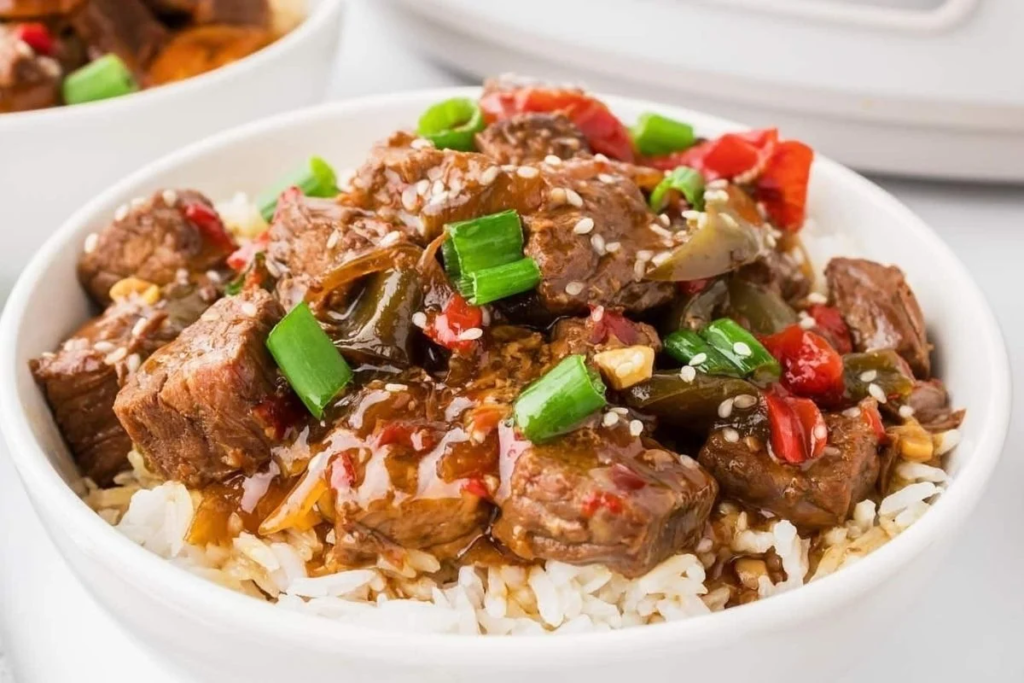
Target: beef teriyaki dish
65, 52
524, 370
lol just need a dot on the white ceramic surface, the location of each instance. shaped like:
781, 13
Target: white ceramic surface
217, 635
41, 182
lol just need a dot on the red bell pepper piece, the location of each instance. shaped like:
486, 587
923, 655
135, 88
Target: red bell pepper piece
782, 185
832, 327
457, 317
210, 225
810, 366
605, 133
798, 430
37, 36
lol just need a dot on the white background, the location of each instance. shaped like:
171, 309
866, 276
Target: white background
970, 627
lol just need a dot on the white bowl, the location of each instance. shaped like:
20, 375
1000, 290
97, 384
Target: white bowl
54, 160
219, 635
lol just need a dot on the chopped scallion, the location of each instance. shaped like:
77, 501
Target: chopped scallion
315, 178
452, 124
684, 179
484, 286
482, 243
741, 348
655, 135
560, 400
686, 345
308, 359
100, 79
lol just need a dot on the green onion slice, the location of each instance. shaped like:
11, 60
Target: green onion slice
655, 135
315, 178
741, 348
684, 179
491, 284
452, 124
308, 359
560, 400
100, 79
482, 243
686, 345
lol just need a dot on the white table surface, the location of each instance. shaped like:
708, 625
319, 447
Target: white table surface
969, 629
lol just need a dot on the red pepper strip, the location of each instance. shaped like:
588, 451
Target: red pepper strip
37, 36
603, 130
797, 428
728, 156
457, 317
241, 258
832, 327
782, 185
210, 224
810, 366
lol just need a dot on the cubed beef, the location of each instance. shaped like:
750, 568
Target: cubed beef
880, 309
153, 240
407, 472
13, 10
199, 49
311, 239
821, 493
239, 12
196, 408
531, 138
930, 402
781, 272
82, 378
126, 28
27, 80
601, 495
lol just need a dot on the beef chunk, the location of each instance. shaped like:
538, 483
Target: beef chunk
312, 238
408, 472
151, 240
600, 495
930, 402
239, 12
880, 309
27, 80
821, 493
781, 272
530, 138
124, 27
195, 408
82, 378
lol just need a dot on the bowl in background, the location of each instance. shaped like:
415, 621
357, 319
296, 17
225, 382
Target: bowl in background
217, 635
53, 160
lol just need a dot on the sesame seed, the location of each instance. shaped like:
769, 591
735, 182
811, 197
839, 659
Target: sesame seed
272, 267
138, 202
527, 172
876, 392
725, 408
573, 198
394, 388
852, 412
133, 362
636, 427
817, 298
170, 197
409, 198
731, 435
687, 373
660, 231
620, 410
209, 316
868, 375
121, 213
906, 412
661, 257
213, 276
455, 186
597, 242
716, 196
437, 188
103, 346
422, 187
472, 334
644, 255
605, 178
698, 359
691, 214
744, 401
612, 247
249, 308
741, 349
489, 176
90, 243
390, 238
597, 314
610, 419
574, 288
332, 241
509, 168
419, 319
600, 157
421, 143
115, 356
821, 432
24, 49
139, 327
665, 220
639, 269
553, 160
807, 322
583, 225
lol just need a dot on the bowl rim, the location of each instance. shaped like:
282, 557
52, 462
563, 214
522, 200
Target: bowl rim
178, 590
317, 19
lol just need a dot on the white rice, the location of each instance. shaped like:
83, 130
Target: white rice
509, 600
